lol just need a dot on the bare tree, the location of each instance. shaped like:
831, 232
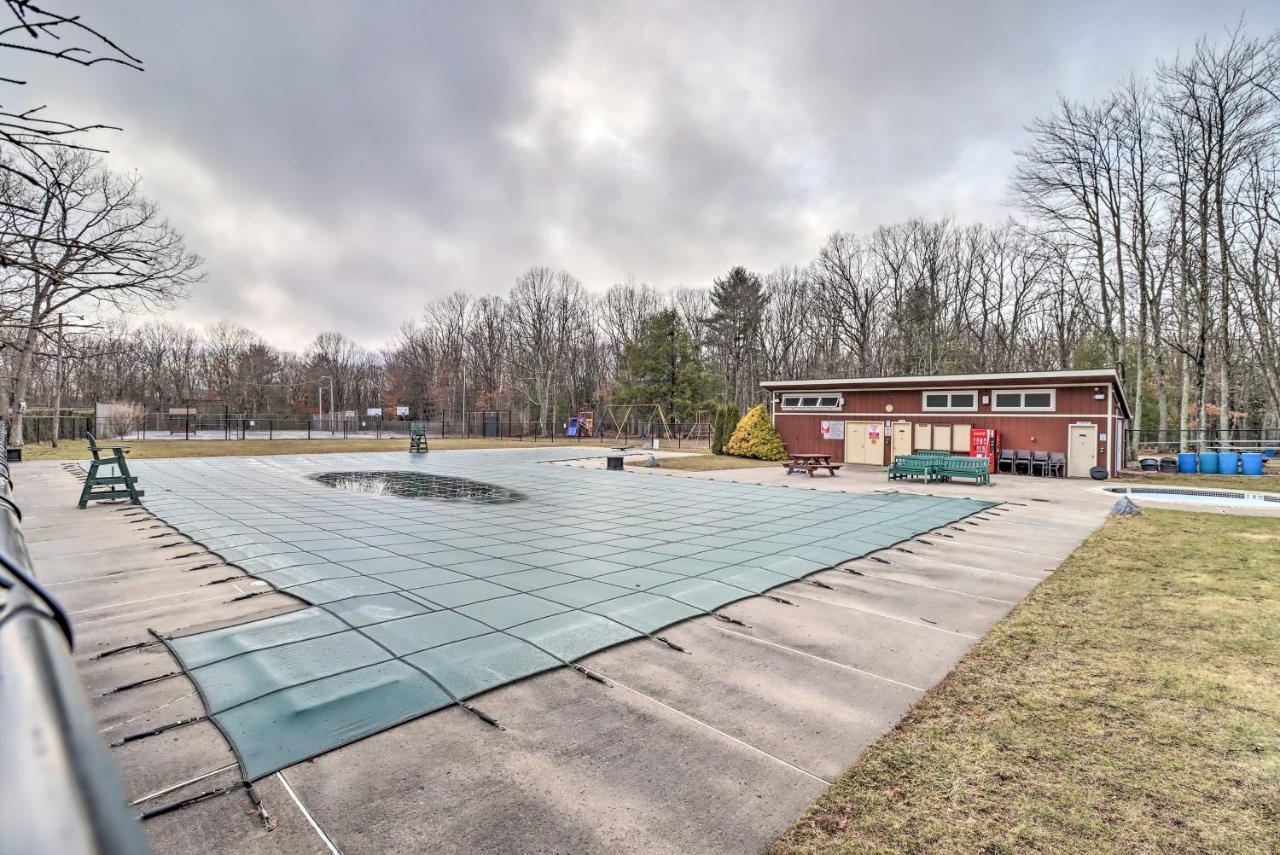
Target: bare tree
91, 242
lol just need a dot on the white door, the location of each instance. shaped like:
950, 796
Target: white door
863, 443
902, 437
960, 437
924, 437
1082, 449
941, 438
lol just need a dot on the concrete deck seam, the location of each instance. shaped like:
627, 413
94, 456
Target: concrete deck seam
306, 813
907, 621
112, 727
819, 658
715, 729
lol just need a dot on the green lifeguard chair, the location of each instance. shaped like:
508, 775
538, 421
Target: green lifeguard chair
119, 486
418, 438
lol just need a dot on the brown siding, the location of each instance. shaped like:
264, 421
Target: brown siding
1070, 400
801, 432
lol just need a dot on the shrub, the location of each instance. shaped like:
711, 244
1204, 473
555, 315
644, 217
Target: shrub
755, 437
122, 418
725, 423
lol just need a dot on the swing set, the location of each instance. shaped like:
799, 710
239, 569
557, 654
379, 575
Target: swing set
637, 420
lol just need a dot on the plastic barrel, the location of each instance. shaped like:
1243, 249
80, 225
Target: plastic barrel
1270, 453
1187, 463
1229, 462
1208, 463
1251, 463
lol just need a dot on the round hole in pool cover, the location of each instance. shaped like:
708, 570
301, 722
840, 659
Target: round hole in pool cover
419, 485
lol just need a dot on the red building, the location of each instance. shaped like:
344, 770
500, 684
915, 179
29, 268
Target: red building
1082, 414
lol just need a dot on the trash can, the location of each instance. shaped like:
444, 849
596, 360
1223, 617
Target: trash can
614, 462
1229, 462
1251, 463
1208, 463
1187, 463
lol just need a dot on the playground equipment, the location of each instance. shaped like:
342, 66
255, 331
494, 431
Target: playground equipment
583, 424
701, 427
642, 420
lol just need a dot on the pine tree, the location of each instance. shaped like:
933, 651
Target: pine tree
733, 329
664, 366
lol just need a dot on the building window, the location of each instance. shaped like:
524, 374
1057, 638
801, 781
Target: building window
812, 401
1043, 400
955, 401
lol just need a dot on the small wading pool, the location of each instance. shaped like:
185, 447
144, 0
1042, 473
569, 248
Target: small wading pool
420, 485
1193, 496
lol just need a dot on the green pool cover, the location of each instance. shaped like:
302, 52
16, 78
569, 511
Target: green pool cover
514, 567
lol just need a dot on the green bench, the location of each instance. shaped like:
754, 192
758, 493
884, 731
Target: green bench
929, 453
977, 469
119, 486
418, 438
909, 466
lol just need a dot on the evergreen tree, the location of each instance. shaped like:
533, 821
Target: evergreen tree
664, 366
726, 421
738, 299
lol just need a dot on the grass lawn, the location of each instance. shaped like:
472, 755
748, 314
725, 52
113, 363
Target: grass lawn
1130, 704
144, 449
706, 462
1269, 482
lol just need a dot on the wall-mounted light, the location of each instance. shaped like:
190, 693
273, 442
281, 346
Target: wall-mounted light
1098, 394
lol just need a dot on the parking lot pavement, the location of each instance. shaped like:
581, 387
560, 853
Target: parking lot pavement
714, 749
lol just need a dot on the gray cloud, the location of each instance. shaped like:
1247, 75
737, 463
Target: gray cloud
337, 168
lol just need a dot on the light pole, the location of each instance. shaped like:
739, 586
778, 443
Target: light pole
332, 414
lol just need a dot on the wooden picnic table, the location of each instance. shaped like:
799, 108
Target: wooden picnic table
808, 462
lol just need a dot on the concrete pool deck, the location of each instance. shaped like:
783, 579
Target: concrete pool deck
717, 749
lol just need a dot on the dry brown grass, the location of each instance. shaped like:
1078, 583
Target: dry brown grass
1130, 704
706, 462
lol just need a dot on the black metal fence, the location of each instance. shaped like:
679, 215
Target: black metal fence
163, 426
61, 789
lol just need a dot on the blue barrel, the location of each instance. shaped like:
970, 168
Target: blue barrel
1208, 463
1229, 462
1187, 463
1270, 453
1251, 463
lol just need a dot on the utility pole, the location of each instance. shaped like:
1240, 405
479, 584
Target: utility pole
333, 418
57, 383
57, 387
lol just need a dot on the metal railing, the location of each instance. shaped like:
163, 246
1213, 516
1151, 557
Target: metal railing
61, 790
1171, 440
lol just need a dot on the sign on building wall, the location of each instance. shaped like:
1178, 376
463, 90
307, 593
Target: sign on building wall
873, 433
832, 430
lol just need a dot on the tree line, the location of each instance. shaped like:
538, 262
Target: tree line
1150, 242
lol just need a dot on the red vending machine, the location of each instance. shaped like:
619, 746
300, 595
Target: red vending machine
985, 442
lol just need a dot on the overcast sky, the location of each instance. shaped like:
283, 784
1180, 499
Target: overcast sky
338, 164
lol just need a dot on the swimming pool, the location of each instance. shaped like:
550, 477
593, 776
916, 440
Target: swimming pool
1194, 496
